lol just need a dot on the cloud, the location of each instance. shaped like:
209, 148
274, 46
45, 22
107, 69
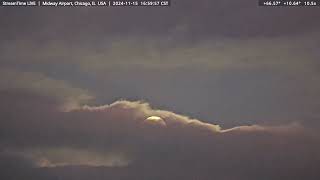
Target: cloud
115, 141
71, 97
140, 111
219, 53
286, 129
56, 157
226, 18
117, 136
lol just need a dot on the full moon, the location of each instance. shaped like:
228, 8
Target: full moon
155, 120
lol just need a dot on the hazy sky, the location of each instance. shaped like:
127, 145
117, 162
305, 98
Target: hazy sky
236, 86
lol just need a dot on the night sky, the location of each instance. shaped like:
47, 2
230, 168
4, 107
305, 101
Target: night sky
232, 89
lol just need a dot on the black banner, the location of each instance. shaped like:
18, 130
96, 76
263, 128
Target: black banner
89, 3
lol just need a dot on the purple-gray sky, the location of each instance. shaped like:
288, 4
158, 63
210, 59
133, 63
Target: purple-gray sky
236, 87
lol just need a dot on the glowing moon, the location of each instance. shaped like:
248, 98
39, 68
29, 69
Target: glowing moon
155, 120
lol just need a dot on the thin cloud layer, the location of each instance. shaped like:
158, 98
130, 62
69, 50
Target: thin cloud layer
60, 157
219, 53
38, 83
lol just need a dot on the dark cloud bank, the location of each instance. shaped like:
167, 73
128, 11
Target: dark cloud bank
38, 141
